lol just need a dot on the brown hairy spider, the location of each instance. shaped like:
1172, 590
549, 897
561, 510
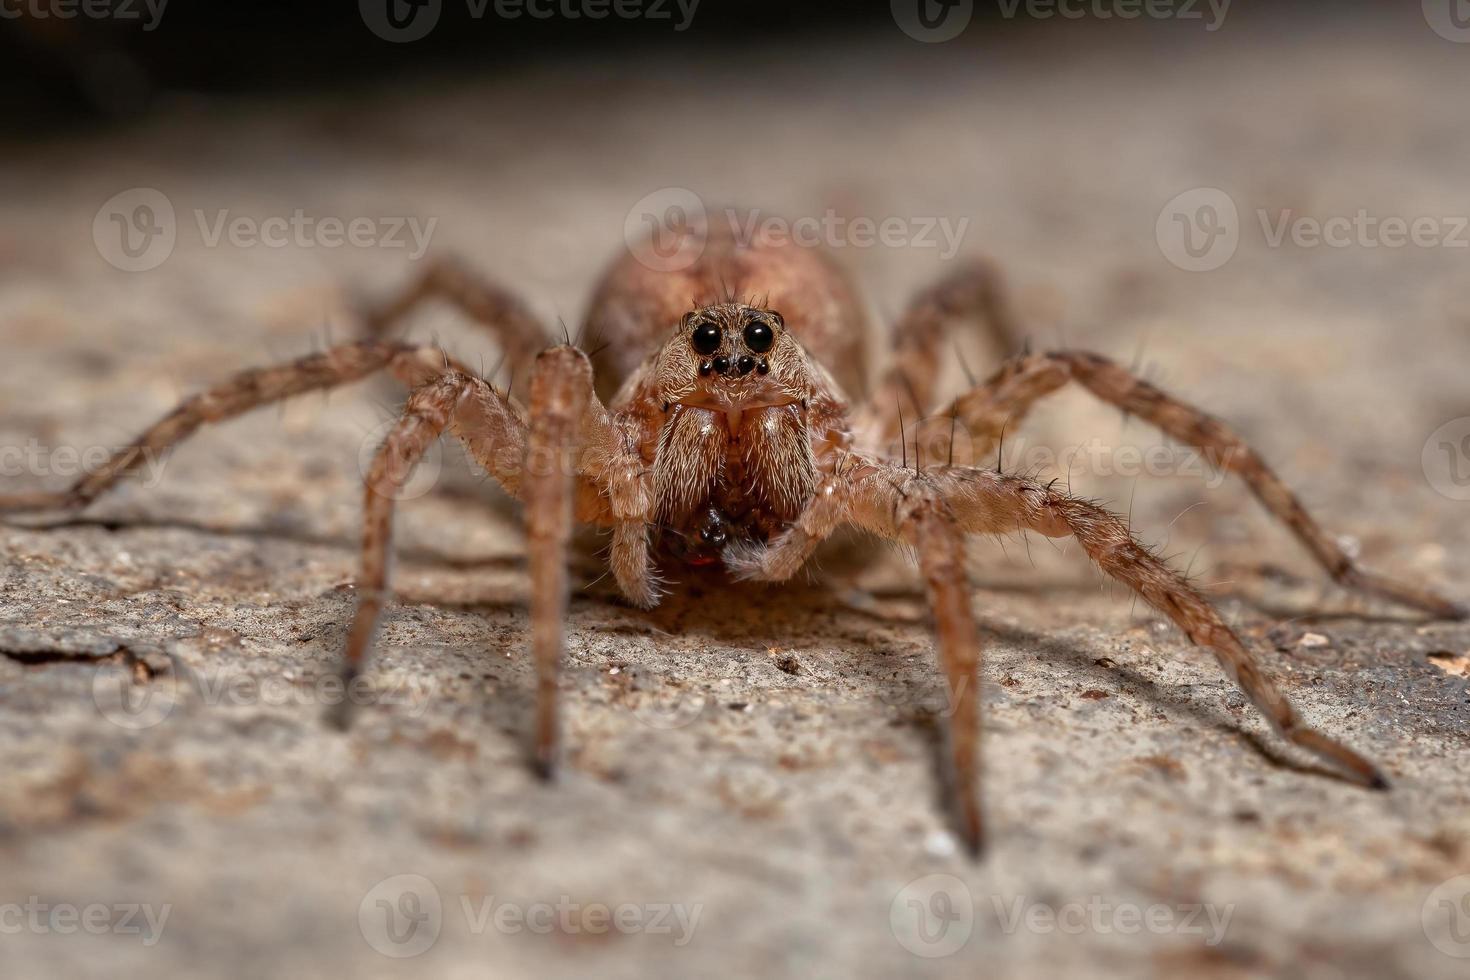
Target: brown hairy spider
716, 431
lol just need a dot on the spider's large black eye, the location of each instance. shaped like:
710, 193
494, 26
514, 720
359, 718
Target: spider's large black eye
759, 337
706, 338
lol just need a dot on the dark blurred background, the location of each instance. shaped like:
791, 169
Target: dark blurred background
69, 72
77, 70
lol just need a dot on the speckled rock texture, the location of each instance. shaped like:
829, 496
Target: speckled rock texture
751, 785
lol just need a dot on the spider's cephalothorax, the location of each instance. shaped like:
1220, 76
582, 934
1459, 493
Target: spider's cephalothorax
731, 440
734, 461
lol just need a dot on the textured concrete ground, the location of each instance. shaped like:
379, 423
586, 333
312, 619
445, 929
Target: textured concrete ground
751, 785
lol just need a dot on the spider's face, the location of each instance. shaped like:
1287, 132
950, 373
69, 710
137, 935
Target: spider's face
731, 357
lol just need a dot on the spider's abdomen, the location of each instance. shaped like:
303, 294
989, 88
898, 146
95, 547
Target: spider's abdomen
721, 477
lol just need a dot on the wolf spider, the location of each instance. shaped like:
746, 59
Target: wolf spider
716, 430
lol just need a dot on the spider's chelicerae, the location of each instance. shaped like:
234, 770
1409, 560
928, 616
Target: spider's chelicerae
713, 427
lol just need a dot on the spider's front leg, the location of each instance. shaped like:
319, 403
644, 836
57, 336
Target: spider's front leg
566, 457
932, 508
244, 392
924, 521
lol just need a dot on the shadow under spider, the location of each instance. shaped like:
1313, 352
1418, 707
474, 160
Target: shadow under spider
281, 534
707, 604
1126, 679
691, 612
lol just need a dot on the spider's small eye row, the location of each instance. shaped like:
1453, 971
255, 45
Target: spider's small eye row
742, 366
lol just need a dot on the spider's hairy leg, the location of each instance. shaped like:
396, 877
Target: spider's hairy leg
991, 503
561, 388
923, 521
975, 291
890, 501
490, 305
426, 416
563, 459
1006, 396
941, 551
235, 396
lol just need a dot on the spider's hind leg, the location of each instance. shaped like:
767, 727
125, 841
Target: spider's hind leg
975, 291
495, 309
1004, 399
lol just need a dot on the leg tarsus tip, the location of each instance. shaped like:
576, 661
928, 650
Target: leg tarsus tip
545, 764
339, 716
971, 831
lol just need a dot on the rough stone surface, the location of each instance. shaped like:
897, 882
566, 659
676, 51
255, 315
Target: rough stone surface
763, 758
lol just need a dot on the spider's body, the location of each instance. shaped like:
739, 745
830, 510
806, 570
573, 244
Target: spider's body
746, 419
736, 411
727, 437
